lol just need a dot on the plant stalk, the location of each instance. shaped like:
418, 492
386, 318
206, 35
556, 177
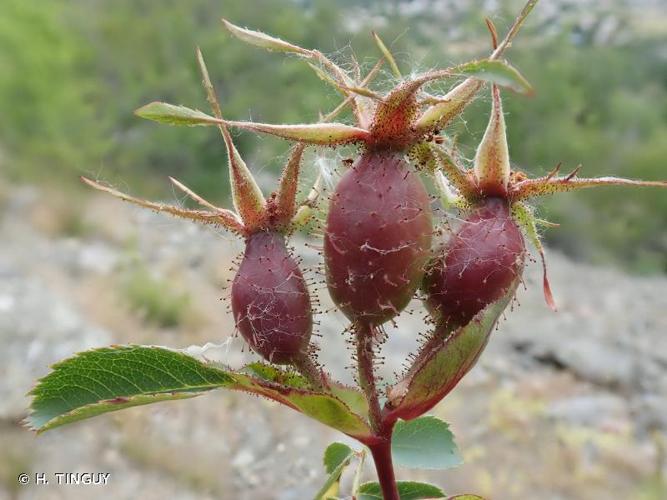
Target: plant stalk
381, 450
366, 371
381, 453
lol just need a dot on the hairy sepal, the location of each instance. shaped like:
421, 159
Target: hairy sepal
438, 369
219, 216
523, 215
246, 195
546, 186
264, 41
492, 162
287, 187
456, 173
171, 114
323, 134
459, 97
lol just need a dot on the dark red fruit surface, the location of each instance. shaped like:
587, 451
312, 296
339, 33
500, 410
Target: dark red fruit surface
270, 300
481, 261
378, 237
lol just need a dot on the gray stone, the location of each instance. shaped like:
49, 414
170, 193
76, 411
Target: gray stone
37, 328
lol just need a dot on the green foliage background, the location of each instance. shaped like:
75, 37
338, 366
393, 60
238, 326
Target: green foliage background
72, 72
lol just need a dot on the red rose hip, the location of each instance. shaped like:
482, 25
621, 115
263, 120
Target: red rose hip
377, 238
270, 301
479, 264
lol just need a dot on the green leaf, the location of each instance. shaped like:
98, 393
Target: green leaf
465, 497
351, 396
498, 72
437, 371
407, 490
336, 454
424, 443
330, 411
175, 115
113, 378
276, 375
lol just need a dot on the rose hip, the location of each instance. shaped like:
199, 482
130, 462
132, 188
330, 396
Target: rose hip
377, 238
481, 262
270, 301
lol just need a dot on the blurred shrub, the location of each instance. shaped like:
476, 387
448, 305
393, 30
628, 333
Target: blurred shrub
72, 72
155, 299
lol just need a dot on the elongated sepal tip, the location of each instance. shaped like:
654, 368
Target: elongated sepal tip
326, 134
492, 162
218, 216
263, 40
171, 114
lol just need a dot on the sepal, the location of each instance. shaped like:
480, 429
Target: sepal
220, 216
171, 114
524, 216
550, 185
324, 134
246, 195
492, 162
441, 363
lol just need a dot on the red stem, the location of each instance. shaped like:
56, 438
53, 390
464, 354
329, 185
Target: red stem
381, 453
380, 450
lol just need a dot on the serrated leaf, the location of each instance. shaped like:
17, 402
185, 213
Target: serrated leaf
112, 378
407, 490
175, 115
424, 443
352, 397
439, 370
330, 411
336, 458
336, 454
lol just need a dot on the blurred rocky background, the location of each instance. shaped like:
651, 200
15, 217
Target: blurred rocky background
571, 405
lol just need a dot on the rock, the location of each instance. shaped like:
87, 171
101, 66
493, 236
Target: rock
590, 410
650, 412
38, 328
